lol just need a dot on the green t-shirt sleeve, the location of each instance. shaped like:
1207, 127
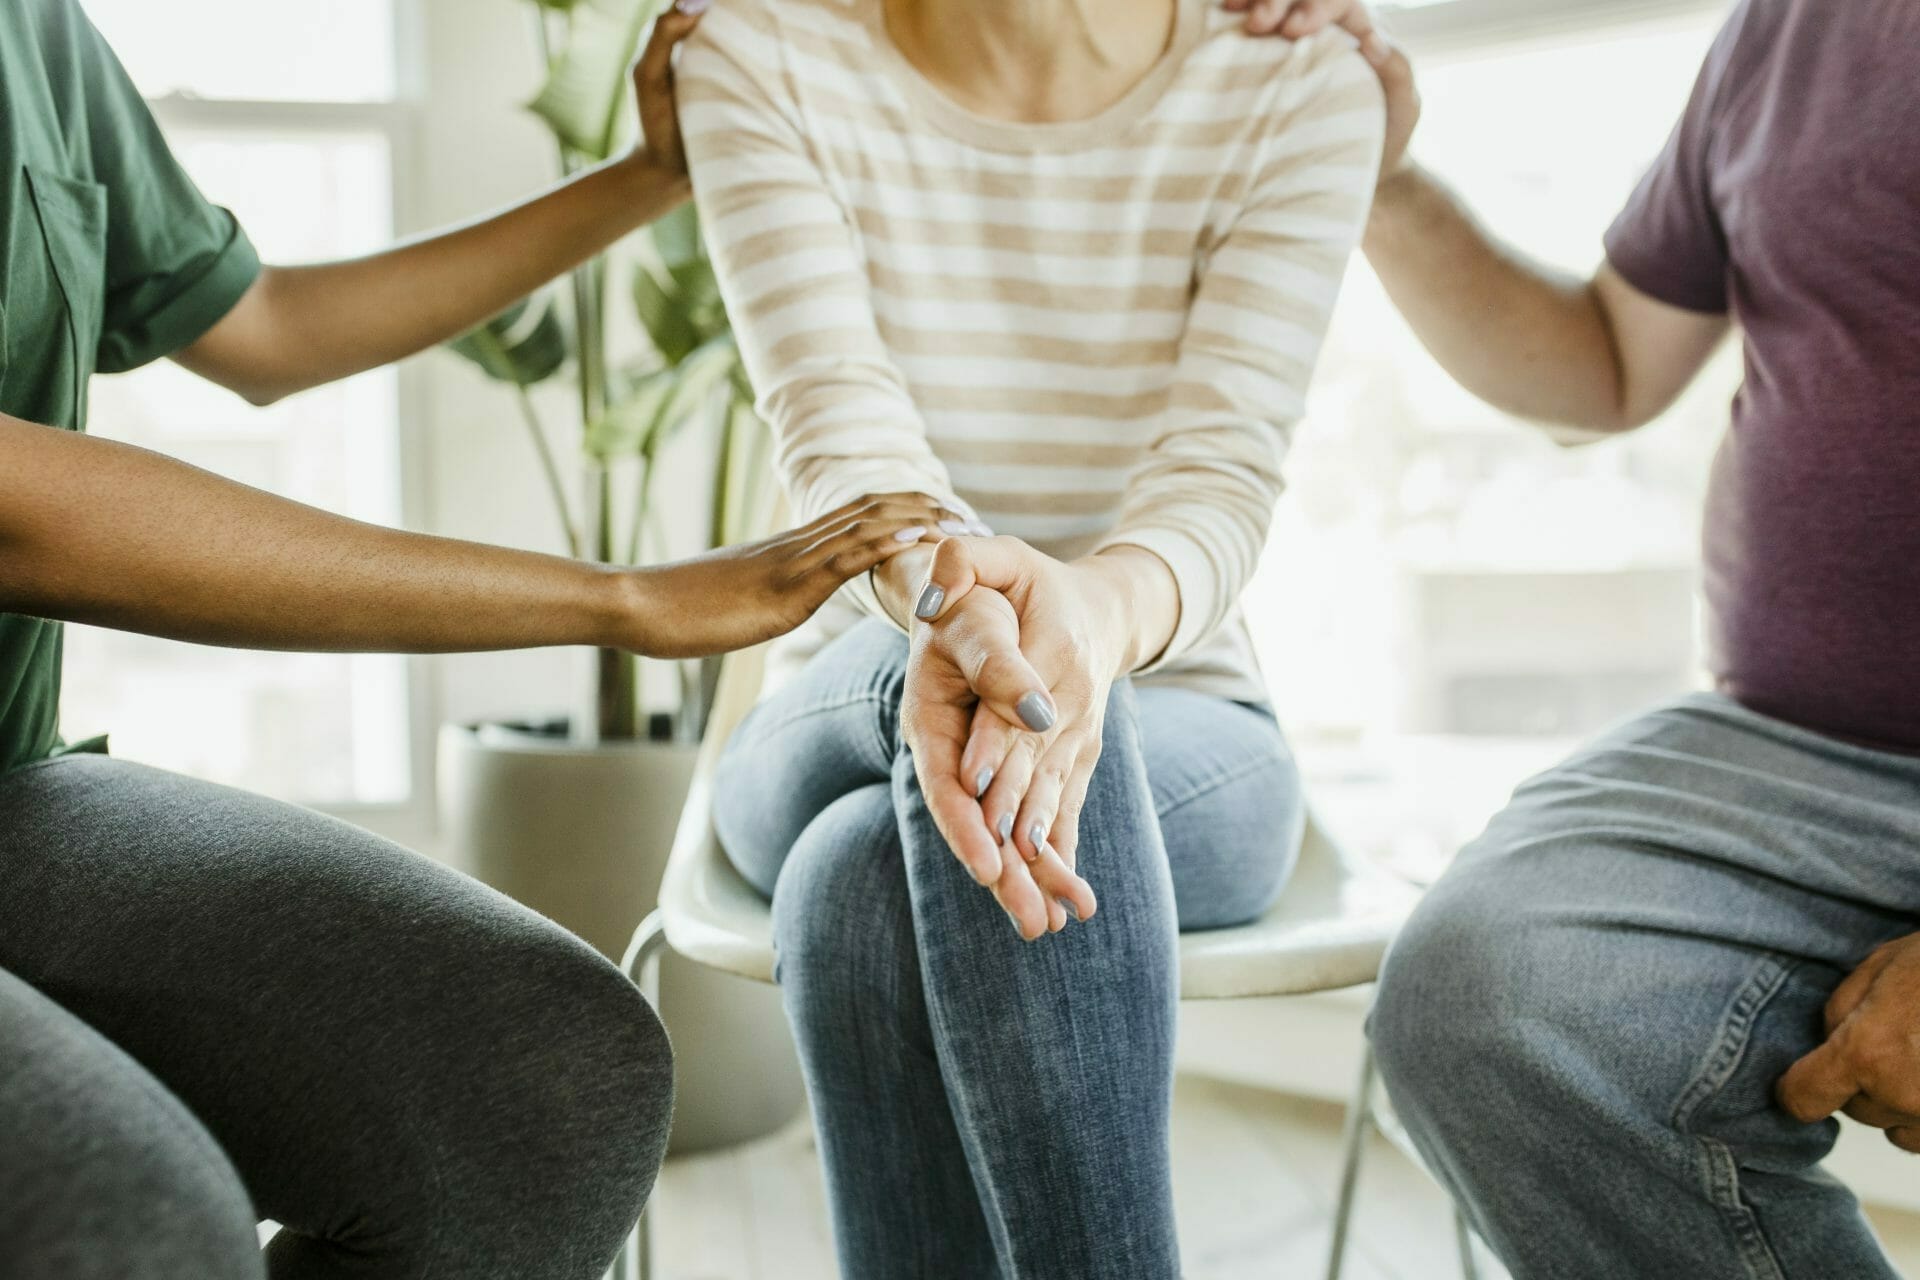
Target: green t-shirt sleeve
176, 263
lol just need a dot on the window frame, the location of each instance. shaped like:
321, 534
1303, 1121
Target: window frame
1456, 26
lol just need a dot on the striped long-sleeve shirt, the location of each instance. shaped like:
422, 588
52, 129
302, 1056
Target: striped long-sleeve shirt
1090, 334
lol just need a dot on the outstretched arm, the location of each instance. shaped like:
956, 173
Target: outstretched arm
300, 327
97, 532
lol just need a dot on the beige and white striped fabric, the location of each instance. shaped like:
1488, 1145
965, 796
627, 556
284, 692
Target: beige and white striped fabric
1090, 334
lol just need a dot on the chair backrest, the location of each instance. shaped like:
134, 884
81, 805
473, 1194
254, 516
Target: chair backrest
1329, 929
712, 914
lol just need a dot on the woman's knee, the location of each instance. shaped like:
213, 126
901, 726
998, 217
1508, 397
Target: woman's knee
545, 1119
843, 920
830, 731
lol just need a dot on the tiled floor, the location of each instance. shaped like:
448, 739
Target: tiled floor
1255, 1176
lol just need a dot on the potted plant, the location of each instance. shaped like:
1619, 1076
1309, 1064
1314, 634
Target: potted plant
574, 815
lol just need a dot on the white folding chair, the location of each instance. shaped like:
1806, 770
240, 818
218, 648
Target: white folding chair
1328, 931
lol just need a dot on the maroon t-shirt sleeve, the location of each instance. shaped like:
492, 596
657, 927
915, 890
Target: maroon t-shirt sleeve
1668, 242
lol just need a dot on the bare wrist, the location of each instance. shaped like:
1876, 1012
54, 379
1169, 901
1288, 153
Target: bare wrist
651, 187
1112, 587
897, 582
625, 608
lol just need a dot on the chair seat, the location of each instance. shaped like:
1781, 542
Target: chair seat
1329, 929
712, 914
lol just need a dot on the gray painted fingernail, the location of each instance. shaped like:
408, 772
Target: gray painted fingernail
1037, 837
914, 534
930, 601
1066, 904
979, 530
692, 8
1005, 827
982, 782
953, 528
1036, 712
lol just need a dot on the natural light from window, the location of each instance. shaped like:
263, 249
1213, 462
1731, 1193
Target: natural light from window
319, 729
1451, 600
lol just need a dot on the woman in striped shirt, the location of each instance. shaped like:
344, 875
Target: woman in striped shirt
1068, 263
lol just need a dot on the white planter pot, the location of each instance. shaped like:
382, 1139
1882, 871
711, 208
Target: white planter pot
581, 835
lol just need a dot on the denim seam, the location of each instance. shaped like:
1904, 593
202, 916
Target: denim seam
1720, 1171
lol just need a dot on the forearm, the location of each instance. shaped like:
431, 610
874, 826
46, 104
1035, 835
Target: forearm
102, 533
1528, 340
300, 327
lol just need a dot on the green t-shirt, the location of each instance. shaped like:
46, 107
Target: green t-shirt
109, 258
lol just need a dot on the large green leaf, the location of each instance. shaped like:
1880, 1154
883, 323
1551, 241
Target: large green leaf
659, 404
584, 98
676, 237
525, 344
698, 378
669, 323
630, 420
689, 272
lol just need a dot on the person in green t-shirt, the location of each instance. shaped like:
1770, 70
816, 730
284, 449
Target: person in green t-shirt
215, 1008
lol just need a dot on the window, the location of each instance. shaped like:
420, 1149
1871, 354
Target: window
286, 114
1451, 600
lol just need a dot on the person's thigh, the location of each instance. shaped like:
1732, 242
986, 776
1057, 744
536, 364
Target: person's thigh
413, 1074
828, 732
1227, 793
1614, 977
103, 1173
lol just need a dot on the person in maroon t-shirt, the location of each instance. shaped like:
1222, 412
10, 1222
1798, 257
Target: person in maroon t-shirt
1620, 1026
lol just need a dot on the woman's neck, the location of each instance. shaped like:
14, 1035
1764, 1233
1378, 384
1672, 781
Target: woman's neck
1033, 61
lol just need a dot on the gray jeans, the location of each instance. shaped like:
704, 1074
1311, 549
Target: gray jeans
215, 1008
1584, 1022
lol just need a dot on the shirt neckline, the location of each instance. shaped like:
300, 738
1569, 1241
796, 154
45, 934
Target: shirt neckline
1011, 135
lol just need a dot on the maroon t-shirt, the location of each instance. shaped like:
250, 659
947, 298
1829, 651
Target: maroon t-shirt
1790, 195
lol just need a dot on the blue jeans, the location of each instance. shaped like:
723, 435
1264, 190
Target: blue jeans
1583, 1023
988, 1107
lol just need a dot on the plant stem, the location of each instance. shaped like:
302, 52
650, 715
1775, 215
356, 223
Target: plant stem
611, 710
642, 503
550, 469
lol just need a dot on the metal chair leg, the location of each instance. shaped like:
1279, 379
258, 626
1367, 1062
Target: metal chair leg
642, 965
1354, 1145
1469, 1261
1381, 1116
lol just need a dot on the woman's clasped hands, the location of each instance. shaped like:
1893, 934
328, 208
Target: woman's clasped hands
1014, 656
